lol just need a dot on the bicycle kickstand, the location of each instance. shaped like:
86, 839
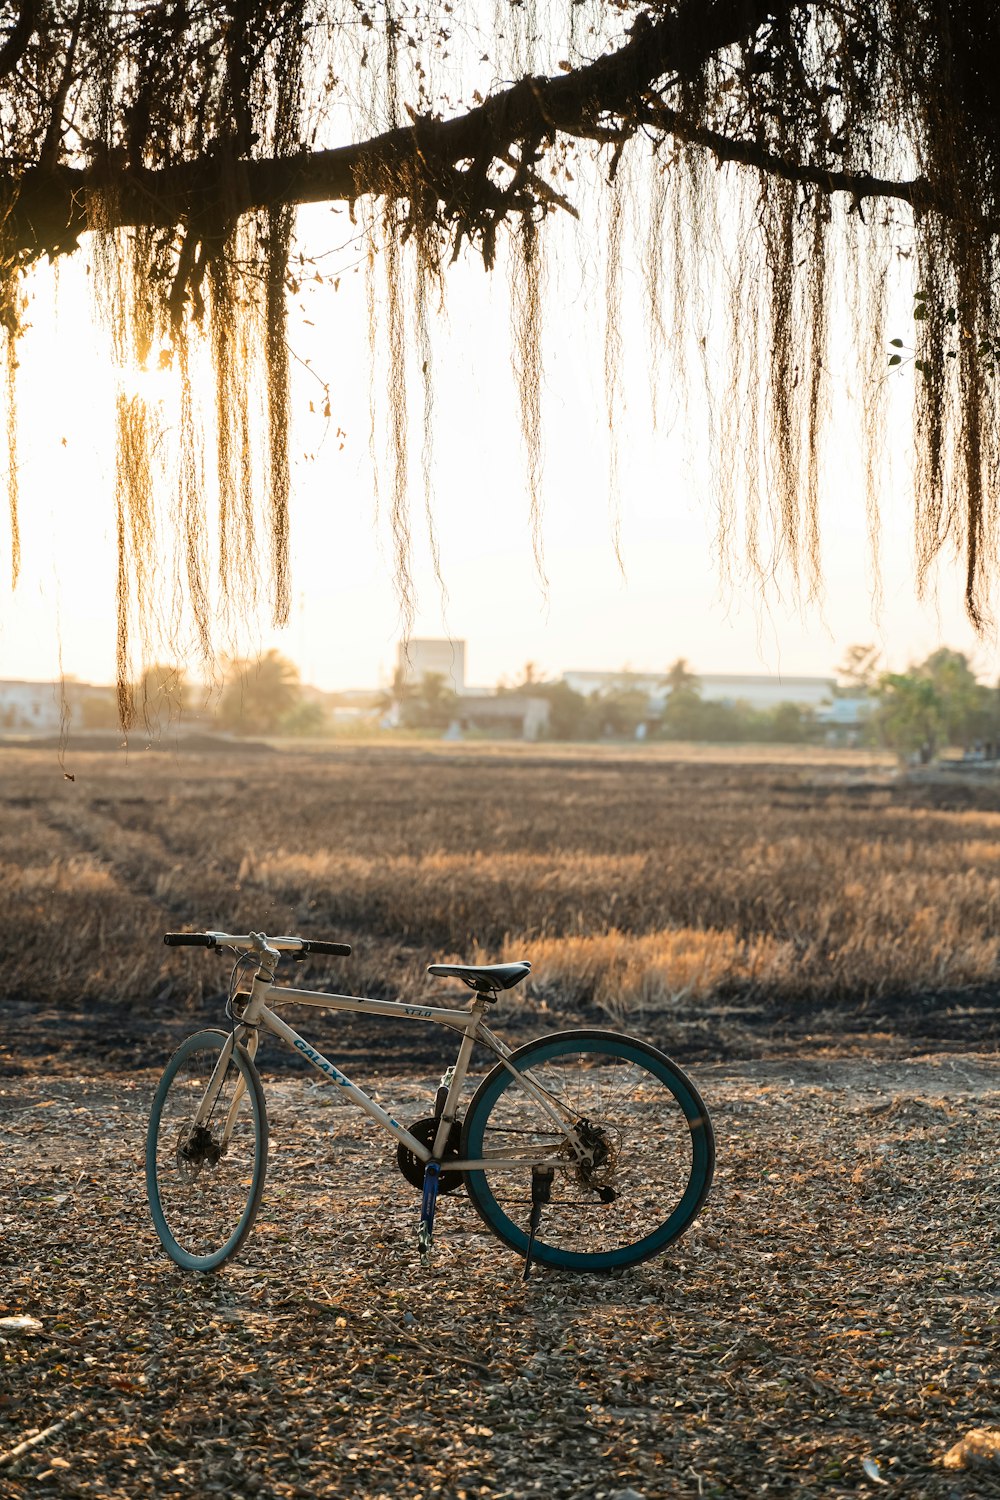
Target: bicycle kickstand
425, 1234
541, 1193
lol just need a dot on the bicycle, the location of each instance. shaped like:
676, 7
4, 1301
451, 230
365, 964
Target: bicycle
587, 1149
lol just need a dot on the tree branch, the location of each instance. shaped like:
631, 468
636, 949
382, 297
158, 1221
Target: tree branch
916, 191
18, 38
53, 205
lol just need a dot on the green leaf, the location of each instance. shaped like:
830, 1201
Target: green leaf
895, 359
896, 343
919, 312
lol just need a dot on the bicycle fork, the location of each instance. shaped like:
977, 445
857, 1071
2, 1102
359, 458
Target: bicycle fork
250, 1040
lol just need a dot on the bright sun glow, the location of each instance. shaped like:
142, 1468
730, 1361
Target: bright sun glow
156, 384
345, 618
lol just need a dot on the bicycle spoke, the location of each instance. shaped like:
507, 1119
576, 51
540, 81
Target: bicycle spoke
205, 1164
632, 1167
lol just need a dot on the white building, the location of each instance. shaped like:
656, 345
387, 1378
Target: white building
517, 715
761, 691
443, 657
847, 713
758, 690
38, 708
29, 707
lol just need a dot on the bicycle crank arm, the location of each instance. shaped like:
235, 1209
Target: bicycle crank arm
425, 1234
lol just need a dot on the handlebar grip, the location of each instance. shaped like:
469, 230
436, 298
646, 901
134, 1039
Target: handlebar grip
189, 940
317, 945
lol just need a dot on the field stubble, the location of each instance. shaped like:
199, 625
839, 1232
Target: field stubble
649, 891
827, 1327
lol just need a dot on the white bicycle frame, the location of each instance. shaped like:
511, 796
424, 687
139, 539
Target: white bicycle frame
258, 1016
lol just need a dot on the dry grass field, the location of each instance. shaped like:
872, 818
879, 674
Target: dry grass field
709, 897
814, 936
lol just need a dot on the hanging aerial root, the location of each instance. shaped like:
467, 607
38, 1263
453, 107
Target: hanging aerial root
135, 526
13, 492
278, 412
526, 309
613, 391
428, 277
399, 505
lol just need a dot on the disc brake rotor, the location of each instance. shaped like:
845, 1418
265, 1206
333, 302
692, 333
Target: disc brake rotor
196, 1149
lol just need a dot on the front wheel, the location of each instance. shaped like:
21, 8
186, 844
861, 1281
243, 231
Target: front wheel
206, 1150
619, 1132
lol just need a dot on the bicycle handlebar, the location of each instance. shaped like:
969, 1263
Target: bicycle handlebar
296, 945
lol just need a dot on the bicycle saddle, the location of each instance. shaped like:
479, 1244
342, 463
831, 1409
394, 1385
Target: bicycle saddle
484, 977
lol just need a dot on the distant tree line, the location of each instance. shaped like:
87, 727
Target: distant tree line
623, 711
429, 704
936, 705
257, 695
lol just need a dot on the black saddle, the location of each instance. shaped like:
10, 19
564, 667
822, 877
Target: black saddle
484, 977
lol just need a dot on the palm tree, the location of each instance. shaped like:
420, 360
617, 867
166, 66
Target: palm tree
680, 679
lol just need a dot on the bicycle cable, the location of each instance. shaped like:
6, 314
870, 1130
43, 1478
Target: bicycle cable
244, 963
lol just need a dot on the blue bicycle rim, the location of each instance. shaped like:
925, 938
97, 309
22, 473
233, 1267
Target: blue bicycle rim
625, 1255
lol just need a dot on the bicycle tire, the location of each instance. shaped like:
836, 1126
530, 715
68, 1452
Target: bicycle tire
188, 1192
660, 1141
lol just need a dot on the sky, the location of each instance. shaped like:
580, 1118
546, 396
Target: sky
667, 598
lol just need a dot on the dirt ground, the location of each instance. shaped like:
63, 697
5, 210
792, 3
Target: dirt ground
830, 1326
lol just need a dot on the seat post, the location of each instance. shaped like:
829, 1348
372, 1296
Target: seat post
456, 1083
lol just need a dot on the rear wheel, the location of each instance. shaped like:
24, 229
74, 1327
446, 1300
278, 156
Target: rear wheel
640, 1171
206, 1150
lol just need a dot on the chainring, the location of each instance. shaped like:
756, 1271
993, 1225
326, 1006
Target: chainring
412, 1167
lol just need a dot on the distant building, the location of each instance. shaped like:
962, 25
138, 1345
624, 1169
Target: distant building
758, 690
650, 683
29, 707
443, 657
37, 707
761, 691
512, 715
845, 719
349, 707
